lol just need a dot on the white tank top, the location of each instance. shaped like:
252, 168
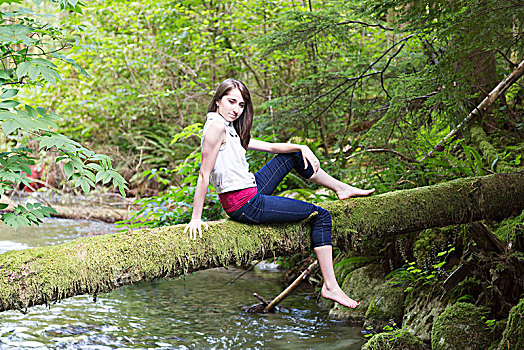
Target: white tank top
231, 170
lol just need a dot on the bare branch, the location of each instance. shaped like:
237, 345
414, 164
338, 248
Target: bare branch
364, 24
354, 80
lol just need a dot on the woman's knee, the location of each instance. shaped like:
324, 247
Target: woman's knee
321, 228
324, 217
298, 164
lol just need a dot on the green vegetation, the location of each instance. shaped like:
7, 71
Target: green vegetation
395, 340
373, 86
462, 325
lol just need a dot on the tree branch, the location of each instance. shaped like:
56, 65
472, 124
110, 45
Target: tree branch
354, 80
500, 89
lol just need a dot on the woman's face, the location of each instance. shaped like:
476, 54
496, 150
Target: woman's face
231, 105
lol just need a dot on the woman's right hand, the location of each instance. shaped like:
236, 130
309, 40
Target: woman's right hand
194, 226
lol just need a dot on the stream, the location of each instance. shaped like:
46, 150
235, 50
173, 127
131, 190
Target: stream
202, 310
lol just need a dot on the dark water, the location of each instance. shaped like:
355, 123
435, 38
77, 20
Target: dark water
200, 311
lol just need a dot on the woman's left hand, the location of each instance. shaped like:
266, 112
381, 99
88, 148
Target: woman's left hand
310, 157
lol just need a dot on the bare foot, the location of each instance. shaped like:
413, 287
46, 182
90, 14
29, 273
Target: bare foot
338, 295
350, 191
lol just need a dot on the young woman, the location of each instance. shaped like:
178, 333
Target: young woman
246, 197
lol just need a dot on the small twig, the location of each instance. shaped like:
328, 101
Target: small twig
264, 301
382, 150
292, 286
243, 273
364, 24
140, 159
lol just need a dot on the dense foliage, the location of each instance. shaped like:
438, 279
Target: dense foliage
29, 46
371, 86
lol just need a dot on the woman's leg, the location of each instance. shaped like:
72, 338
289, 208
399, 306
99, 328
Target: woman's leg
263, 209
342, 189
270, 176
330, 288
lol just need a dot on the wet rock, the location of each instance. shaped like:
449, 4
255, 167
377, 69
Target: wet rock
386, 307
420, 311
395, 340
513, 336
461, 326
362, 285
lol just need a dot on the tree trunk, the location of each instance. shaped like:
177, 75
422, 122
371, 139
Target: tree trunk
102, 263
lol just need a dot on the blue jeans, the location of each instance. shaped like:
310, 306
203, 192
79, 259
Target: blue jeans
267, 209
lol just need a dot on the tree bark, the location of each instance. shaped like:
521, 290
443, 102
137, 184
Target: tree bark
102, 263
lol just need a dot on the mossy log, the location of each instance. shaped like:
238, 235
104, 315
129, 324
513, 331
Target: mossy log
102, 263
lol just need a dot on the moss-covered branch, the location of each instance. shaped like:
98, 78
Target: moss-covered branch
479, 137
102, 263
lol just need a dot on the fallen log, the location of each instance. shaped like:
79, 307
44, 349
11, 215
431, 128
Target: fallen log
102, 263
110, 215
99, 213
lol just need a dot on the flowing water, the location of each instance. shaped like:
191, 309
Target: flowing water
199, 311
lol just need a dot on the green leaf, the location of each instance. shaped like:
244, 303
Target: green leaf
94, 166
9, 126
7, 115
9, 93
25, 168
43, 62
100, 175
22, 69
33, 72
106, 178
494, 163
9, 104
68, 169
50, 75
10, 219
22, 220
3, 206
31, 111
89, 175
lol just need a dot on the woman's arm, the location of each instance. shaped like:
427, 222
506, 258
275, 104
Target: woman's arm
215, 136
307, 154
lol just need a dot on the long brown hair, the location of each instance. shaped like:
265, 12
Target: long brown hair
243, 124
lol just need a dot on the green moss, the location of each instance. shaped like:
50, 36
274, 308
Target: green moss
362, 285
395, 340
386, 307
513, 336
425, 240
101, 263
490, 153
461, 326
510, 228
